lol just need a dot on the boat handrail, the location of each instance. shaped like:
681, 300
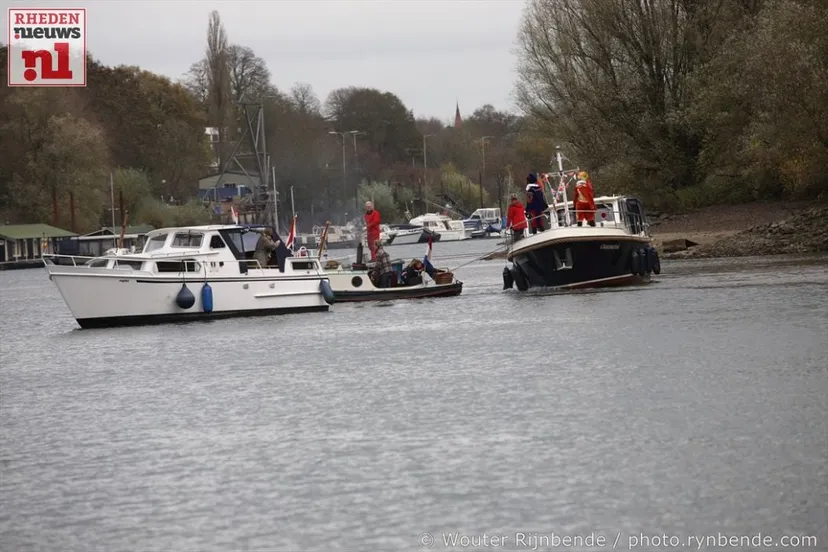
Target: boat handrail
251, 263
617, 222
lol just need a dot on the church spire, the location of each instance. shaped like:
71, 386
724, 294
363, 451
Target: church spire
458, 122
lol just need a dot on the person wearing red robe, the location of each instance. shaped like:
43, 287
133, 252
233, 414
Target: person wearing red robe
516, 218
372, 228
584, 200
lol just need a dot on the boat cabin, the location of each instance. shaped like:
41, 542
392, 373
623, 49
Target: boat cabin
437, 222
205, 249
613, 211
487, 216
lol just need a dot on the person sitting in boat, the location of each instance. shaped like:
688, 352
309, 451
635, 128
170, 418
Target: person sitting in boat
412, 275
584, 200
383, 271
372, 228
516, 218
264, 247
535, 204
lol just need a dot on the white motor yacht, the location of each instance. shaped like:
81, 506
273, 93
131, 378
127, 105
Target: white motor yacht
187, 273
444, 228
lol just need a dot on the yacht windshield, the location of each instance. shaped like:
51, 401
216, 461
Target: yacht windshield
155, 242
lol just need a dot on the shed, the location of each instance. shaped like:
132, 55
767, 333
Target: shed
232, 179
30, 241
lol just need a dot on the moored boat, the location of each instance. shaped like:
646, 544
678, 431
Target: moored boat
443, 226
484, 223
189, 273
616, 251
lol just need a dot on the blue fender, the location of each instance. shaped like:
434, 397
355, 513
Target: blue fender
207, 298
655, 263
508, 279
327, 292
635, 262
185, 298
520, 280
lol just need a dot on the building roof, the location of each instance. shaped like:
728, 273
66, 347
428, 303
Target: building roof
253, 174
32, 231
109, 231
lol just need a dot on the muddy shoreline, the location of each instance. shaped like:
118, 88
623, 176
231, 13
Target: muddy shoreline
743, 230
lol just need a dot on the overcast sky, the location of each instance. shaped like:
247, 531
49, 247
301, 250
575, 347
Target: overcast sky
430, 53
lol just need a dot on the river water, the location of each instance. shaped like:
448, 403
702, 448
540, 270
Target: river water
697, 405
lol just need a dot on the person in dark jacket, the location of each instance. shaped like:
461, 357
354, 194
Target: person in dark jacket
535, 204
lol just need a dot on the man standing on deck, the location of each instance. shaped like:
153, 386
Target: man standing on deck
516, 218
372, 228
264, 247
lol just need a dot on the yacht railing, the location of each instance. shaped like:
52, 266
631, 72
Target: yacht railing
633, 223
73, 260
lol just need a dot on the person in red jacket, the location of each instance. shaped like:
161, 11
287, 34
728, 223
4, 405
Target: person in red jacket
584, 200
516, 218
372, 228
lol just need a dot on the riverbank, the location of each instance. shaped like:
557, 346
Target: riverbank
743, 230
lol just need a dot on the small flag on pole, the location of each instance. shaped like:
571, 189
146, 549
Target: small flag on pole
234, 215
292, 235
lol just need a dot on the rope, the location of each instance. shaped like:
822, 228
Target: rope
502, 247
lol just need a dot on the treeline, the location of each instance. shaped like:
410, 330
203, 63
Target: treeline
57, 142
682, 102
687, 102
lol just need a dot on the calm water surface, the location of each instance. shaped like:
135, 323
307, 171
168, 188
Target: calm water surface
694, 406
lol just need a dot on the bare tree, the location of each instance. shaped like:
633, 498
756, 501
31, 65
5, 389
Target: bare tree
304, 99
220, 109
611, 77
249, 75
197, 81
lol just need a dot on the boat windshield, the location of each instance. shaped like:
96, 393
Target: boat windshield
187, 239
155, 242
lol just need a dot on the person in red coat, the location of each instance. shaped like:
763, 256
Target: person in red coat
584, 200
372, 228
516, 218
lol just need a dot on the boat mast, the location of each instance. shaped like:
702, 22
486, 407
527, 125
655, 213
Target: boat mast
562, 186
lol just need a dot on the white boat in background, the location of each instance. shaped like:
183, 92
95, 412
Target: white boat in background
443, 227
187, 273
485, 222
339, 237
406, 234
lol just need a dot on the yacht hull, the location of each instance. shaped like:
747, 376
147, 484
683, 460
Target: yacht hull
584, 261
407, 238
101, 298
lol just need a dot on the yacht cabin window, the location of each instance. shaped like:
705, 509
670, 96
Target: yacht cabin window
134, 265
155, 242
188, 265
187, 239
217, 243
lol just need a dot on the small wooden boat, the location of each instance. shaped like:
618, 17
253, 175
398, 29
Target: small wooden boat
355, 284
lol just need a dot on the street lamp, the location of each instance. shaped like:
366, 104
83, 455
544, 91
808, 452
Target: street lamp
344, 174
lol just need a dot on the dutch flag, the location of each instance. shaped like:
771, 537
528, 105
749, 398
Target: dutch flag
292, 235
